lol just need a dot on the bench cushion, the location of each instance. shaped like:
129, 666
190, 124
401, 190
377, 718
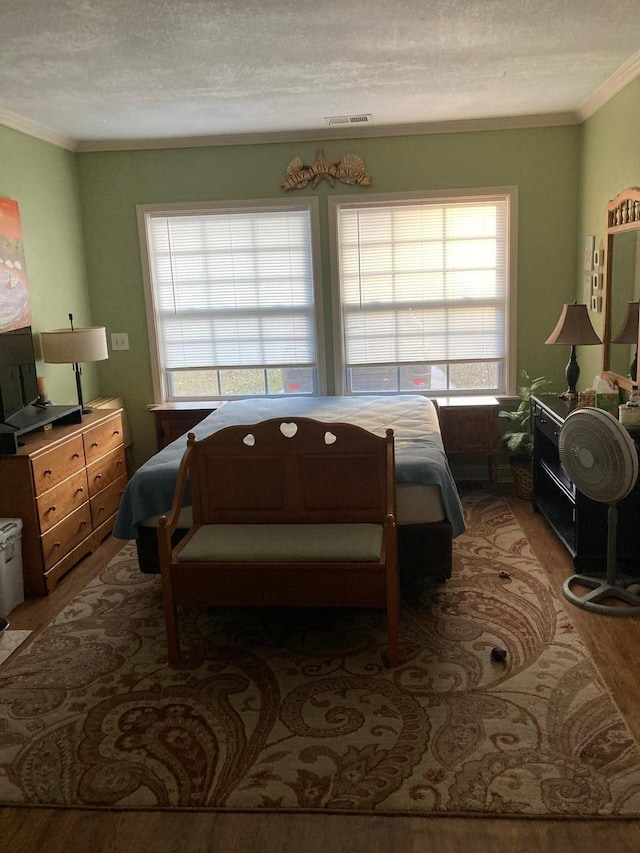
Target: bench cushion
284, 543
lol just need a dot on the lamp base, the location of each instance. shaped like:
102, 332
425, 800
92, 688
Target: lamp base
571, 374
568, 395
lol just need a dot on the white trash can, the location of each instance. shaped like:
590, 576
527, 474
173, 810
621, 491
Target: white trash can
11, 580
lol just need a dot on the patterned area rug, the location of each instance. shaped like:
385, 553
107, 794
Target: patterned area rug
9, 642
295, 709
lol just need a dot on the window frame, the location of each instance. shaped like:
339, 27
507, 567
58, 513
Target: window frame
508, 193
146, 211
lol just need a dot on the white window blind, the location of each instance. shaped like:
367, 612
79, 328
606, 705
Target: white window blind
423, 282
233, 289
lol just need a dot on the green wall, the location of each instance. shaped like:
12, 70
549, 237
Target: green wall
543, 163
564, 175
610, 160
42, 178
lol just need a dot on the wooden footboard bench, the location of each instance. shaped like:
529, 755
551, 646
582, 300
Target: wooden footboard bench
295, 513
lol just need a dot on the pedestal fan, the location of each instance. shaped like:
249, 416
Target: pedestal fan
601, 459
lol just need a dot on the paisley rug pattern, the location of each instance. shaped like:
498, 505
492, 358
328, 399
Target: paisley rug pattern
291, 710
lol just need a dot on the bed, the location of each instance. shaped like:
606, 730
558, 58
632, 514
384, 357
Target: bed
429, 509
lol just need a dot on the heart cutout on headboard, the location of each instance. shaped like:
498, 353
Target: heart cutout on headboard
288, 429
249, 439
329, 438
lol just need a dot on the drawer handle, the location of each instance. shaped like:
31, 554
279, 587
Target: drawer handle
94, 444
56, 544
51, 509
79, 490
98, 477
100, 509
83, 524
116, 432
48, 471
75, 456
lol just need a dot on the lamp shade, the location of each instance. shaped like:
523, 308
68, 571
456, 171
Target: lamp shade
574, 327
628, 334
70, 346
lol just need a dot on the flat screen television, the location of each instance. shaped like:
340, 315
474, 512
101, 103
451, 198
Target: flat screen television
18, 381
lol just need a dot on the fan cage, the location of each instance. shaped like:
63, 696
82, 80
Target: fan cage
598, 454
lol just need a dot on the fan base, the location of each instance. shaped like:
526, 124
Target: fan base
598, 591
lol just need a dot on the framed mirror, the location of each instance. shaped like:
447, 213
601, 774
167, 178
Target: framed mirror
621, 290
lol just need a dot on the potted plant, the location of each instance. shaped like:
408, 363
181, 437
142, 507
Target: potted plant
518, 438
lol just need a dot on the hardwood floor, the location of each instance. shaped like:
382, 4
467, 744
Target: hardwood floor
613, 642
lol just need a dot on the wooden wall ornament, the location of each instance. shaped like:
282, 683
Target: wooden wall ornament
350, 170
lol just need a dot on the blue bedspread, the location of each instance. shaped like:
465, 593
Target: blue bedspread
420, 456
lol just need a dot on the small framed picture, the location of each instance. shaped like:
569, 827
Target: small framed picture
588, 289
589, 247
597, 259
596, 303
596, 281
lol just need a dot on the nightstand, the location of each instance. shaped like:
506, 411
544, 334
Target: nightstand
172, 420
469, 426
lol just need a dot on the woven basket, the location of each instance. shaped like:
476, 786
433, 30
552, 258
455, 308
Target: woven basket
522, 474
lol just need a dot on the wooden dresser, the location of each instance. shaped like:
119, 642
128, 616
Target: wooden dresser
65, 484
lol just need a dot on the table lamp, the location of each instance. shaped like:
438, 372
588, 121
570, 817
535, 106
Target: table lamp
573, 329
628, 334
72, 346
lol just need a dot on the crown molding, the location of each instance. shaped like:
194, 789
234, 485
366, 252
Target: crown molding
624, 75
322, 134
621, 78
38, 131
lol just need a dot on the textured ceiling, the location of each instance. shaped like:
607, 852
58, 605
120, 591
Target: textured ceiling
149, 69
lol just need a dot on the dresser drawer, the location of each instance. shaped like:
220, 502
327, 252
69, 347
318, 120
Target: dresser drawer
106, 504
547, 425
58, 502
102, 438
469, 429
66, 535
56, 465
102, 473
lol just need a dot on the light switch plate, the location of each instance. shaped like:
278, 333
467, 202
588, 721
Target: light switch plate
119, 340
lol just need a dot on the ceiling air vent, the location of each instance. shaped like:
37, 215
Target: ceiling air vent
365, 118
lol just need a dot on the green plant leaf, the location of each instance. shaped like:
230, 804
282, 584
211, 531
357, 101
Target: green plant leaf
519, 440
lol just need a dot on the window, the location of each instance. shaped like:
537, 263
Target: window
424, 293
230, 299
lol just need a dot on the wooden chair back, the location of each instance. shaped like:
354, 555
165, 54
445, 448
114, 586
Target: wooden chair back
295, 470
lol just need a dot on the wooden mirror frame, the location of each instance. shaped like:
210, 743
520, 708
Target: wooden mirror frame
623, 214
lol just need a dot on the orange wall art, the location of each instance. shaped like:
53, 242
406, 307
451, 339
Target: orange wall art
15, 311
